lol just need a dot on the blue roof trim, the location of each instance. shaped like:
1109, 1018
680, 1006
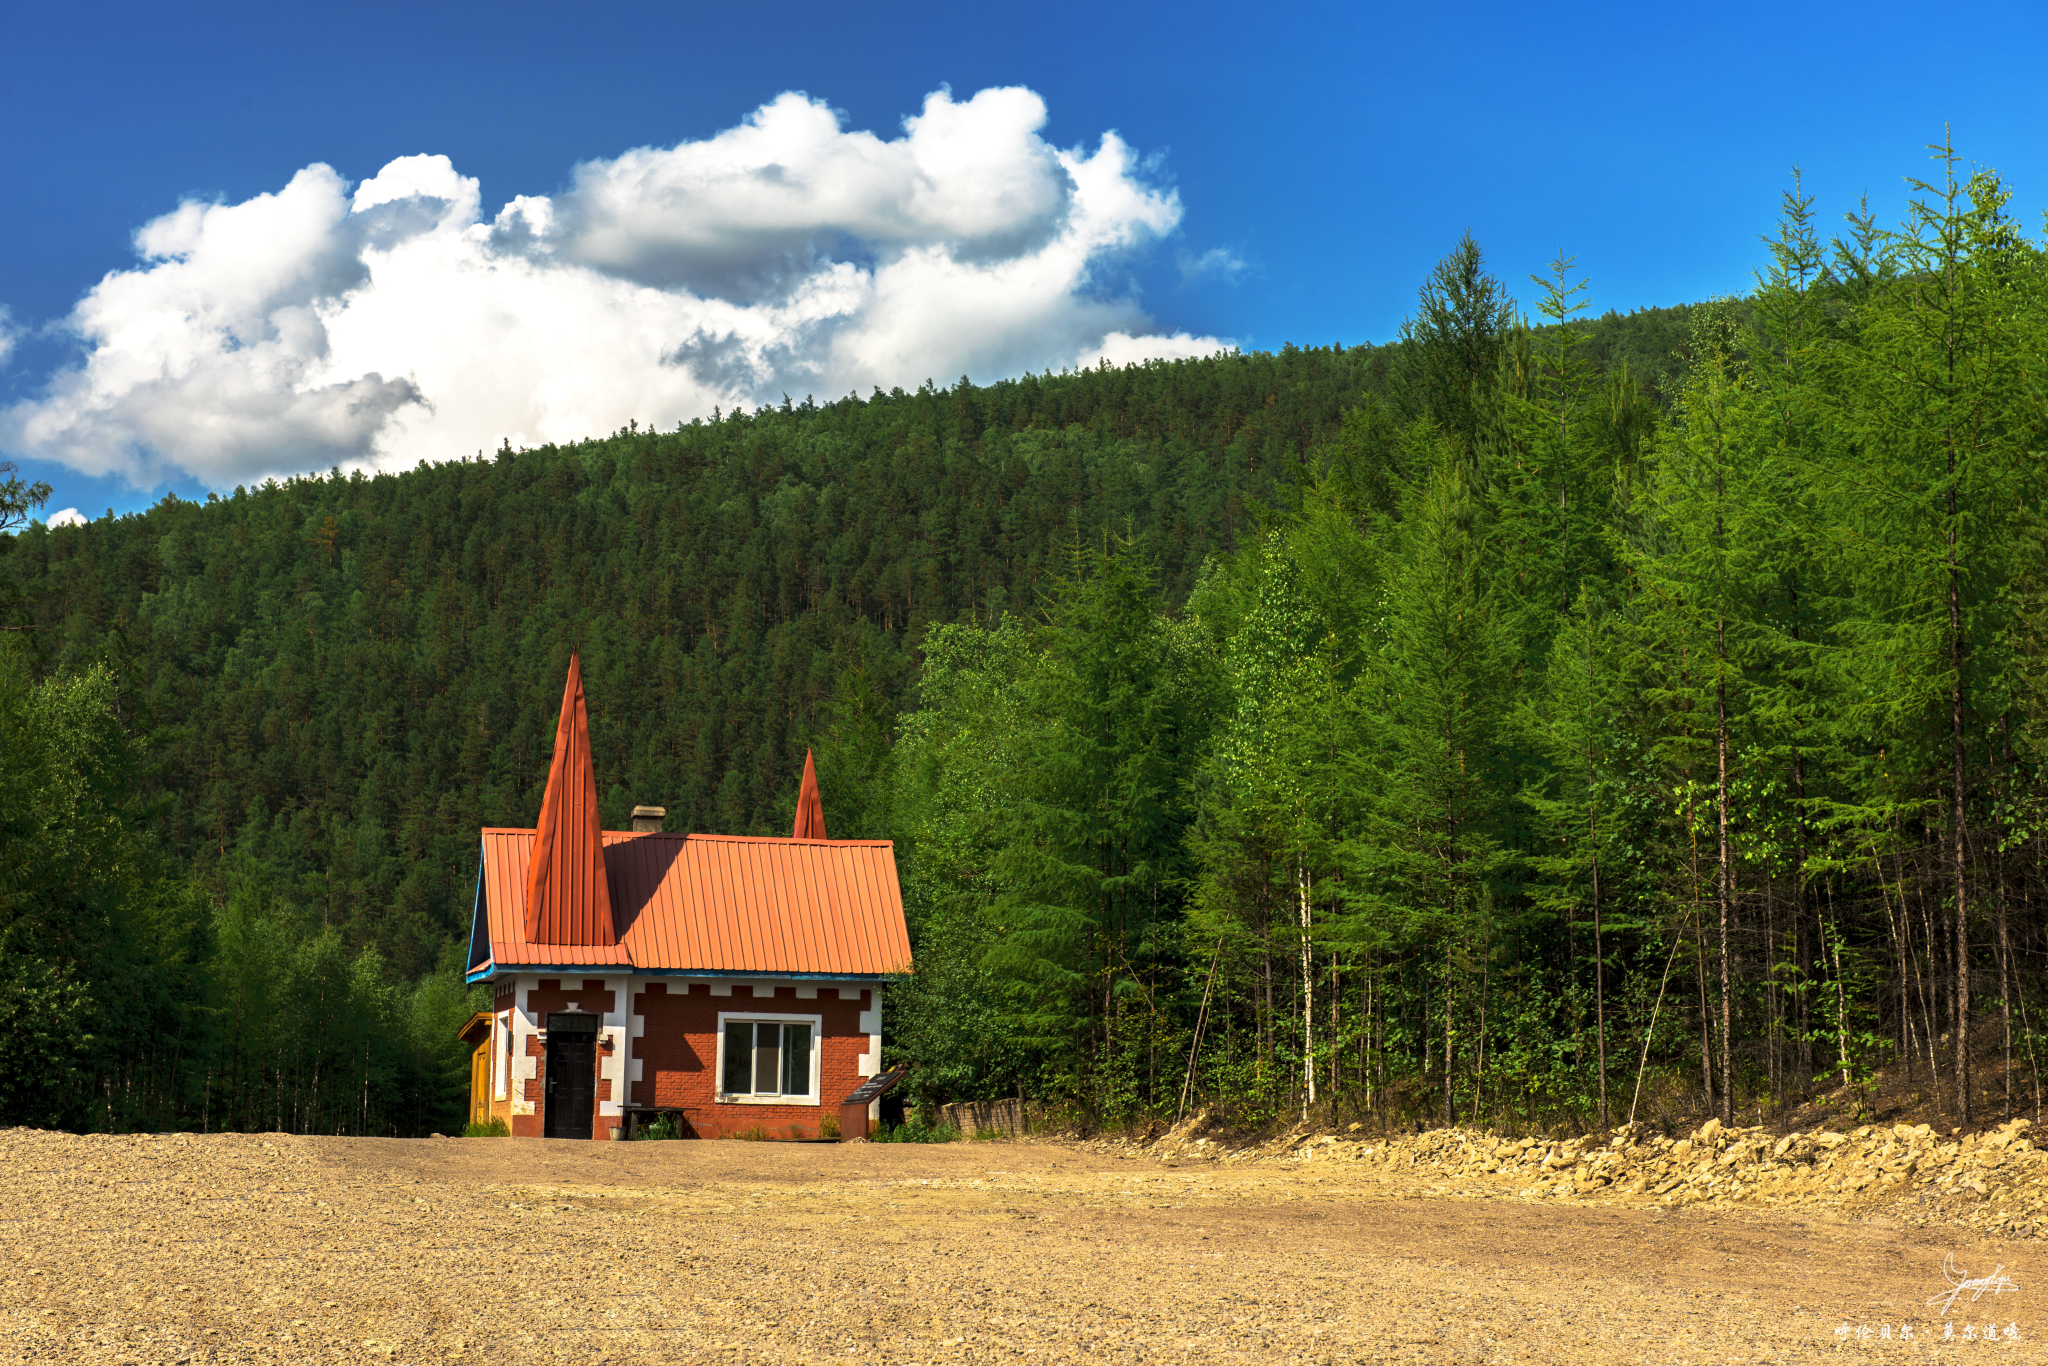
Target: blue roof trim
490, 970
476, 918
753, 976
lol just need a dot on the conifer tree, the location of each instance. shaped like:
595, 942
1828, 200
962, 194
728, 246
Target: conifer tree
1571, 722
1092, 821
1462, 324
1273, 780
1702, 561
1931, 421
1798, 598
1427, 850
1559, 467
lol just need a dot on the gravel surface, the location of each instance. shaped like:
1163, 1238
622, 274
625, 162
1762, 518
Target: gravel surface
252, 1248
1993, 1180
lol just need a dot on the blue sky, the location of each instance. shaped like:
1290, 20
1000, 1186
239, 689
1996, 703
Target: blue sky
1306, 165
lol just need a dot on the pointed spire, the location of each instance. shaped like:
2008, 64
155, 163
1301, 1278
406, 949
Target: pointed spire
810, 812
568, 897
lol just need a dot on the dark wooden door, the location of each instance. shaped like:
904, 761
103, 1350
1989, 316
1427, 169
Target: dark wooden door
571, 1086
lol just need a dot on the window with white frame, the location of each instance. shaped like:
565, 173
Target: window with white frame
768, 1058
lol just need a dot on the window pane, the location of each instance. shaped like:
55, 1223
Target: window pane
796, 1060
767, 1039
739, 1055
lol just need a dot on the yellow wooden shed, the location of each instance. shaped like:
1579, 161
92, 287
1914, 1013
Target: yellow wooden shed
477, 1034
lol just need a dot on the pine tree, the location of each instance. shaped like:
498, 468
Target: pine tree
1092, 820
1274, 796
1570, 721
1931, 428
1427, 850
1463, 321
1797, 603
1703, 562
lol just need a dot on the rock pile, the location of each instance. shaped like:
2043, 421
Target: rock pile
1996, 1180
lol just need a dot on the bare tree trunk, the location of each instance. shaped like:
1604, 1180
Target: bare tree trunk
1187, 1089
1798, 876
1593, 844
2027, 1030
1449, 995
1727, 879
1336, 1023
2006, 976
1600, 992
1773, 1021
1700, 960
1479, 1054
2005, 997
1699, 945
1841, 994
1931, 1007
1802, 950
1365, 1023
1265, 1043
1962, 915
1643, 1062
1955, 660
1900, 929
1303, 893
1425, 1024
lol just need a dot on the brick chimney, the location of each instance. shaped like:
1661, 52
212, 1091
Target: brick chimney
647, 819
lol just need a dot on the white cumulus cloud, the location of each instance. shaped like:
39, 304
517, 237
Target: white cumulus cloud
1217, 261
1121, 348
391, 321
68, 517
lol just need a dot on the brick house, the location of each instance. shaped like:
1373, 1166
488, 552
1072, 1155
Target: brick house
732, 982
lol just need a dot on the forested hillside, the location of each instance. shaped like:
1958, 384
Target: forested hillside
355, 673
1481, 722
329, 684
1563, 755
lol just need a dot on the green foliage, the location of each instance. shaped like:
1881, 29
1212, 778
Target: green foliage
1560, 727
1461, 329
84, 923
953, 758
46, 1043
914, 1130
132, 998
1045, 823
315, 1038
1089, 841
1537, 714
18, 497
357, 673
496, 1128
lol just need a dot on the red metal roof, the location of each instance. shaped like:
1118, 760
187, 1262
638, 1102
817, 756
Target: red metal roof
714, 904
568, 897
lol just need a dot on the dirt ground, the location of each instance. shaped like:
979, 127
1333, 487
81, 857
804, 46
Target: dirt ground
250, 1248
